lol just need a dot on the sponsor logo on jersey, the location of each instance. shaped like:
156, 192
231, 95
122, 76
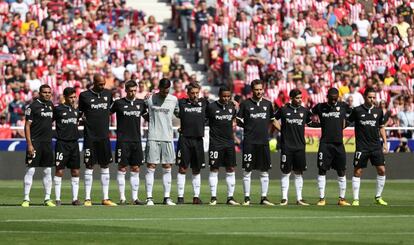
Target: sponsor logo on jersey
294, 121
157, 109
371, 123
46, 114
258, 115
331, 114
193, 109
69, 121
99, 106
224, 117
132, 113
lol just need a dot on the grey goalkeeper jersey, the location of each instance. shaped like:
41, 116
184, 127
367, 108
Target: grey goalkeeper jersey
161, 112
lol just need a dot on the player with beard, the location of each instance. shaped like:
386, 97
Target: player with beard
190, 151
39, 153
254, 116
128, 144
94, 106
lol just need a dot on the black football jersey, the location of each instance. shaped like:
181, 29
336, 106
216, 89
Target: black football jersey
367, 122
128, 118
332, 119
256, 117
66, 118
293, 120
96, 109
220, 119
40, 114
193, 117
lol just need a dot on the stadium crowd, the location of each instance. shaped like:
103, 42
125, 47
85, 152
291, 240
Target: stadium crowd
308, 44
63, 43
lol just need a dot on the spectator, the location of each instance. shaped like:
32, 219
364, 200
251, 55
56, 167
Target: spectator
16, 110
406, 119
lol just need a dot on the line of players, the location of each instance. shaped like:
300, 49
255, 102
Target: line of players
255, 115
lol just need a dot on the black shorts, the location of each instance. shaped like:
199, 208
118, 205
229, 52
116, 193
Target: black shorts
376, 158
97, 152
43, 156
293, 160
190, 153
129, 153
225, 157
256, 157
67, 155
331, 155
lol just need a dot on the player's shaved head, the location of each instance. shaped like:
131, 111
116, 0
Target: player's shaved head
98, 83
333, 96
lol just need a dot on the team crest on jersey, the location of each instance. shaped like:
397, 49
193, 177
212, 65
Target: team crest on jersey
363, 115
264, 107
230, 110
251, 108
105, 98
288, 114
125, 106
337, 108
76, 114
301, 114
217, 111
50, 108
64, 113
28, 111
375, 115
138, 107
57, 163
199, 103
92, 100
42, 109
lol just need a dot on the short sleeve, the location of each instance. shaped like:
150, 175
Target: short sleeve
315, 110
82, 104
114, 107
240, 113
308, 116
278, 114
271, 112
352, 116
28, 113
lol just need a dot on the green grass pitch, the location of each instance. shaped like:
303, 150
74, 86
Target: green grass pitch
188, 224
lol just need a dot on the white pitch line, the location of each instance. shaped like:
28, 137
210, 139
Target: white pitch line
233, 233
210, 218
